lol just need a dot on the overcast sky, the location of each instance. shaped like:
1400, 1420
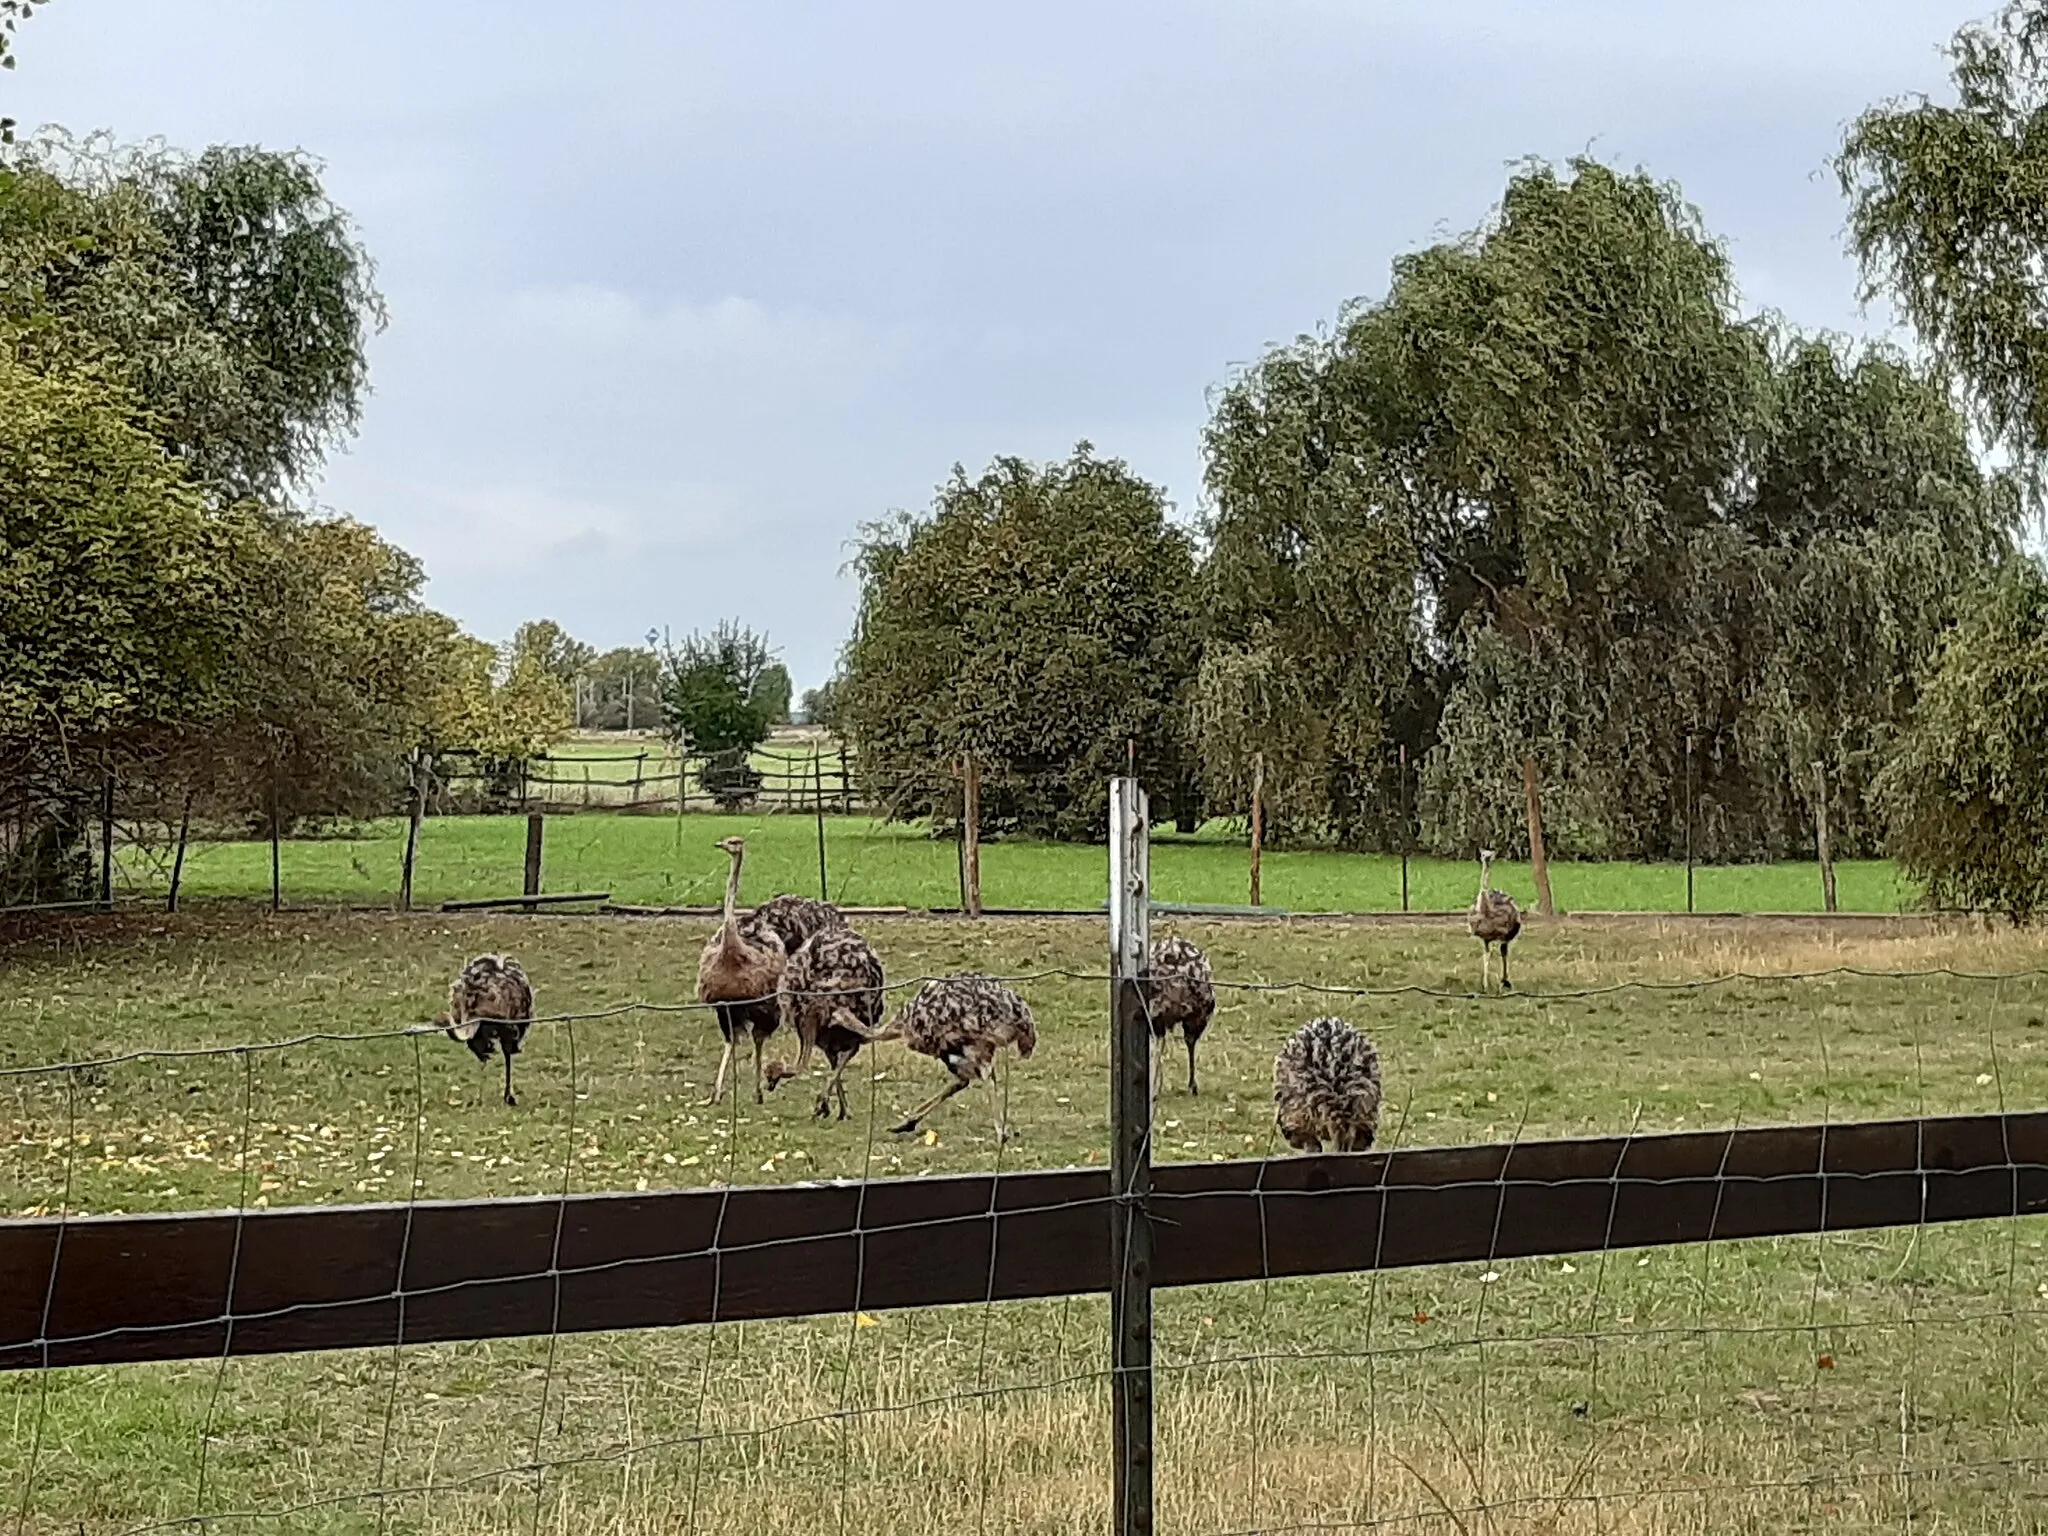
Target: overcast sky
680, 294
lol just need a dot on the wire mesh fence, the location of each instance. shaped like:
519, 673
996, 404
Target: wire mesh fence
1750, 1247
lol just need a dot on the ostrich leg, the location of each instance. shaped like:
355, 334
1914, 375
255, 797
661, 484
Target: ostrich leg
1193, 1090
909, 1122
508, 1074
1505, 984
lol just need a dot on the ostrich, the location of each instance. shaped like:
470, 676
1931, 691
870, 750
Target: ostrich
1326, 1088
794, 919
739, 973
1178, 991
832, 998
490, 1001
962, 1021
1495, 920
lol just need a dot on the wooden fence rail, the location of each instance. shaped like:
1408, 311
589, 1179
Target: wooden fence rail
100, 1290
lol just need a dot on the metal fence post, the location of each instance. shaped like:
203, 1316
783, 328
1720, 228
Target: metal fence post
1130, 1156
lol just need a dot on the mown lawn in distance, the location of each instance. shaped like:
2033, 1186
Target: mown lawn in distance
1870, 1379
665, 860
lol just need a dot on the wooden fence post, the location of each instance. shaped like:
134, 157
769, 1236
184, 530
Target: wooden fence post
970, 835
1688, 821
1130, 1159
412, 829
276, 855
534, 823
1820, 835
1258, 819
818, 801
845, 783
1406, 836
1539, 862
178, 859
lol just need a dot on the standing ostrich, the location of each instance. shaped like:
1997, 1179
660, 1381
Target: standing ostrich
794, 919
490, 1001
739, 973
962, 1021
1326, 1088
1495, 920
832, 998
1178, 991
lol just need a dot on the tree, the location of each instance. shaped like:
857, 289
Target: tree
224, 288
821, 704
1553, 496
770, 693
1042, 617
1967, 786
1947, 217
544, 644
708, 690
622, 690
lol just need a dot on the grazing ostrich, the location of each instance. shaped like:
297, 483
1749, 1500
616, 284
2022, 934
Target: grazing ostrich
1495, 920
1178, 992
739, 974
832, 998
490, 1001
962, 1021
1326, 1088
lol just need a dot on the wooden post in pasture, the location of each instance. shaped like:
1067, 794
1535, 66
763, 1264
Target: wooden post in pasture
1820, 835
418, 813
107, 838
818, 804
1258, 819
1130, 1159
276, 855
970, 835
534, 824
845, 784
1539, 862
639, 775
1688, 821
1406, 839
178, 859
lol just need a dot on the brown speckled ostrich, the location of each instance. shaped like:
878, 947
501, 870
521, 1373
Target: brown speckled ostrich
1178, 994
1495, 920
962, 1021
739, 974
1326, 1088
832, 999
490, 1002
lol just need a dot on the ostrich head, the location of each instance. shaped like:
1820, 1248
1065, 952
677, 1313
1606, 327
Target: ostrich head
734, 846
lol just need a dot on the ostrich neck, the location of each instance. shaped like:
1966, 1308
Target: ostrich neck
731, 927
1483, 873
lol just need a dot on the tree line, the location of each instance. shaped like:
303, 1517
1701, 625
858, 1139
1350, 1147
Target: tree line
1553, 495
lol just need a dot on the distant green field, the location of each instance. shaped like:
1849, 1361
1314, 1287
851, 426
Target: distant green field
670, 860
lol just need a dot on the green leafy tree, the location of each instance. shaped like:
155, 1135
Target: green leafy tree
1554, 496
622, 690
1967, 786
821, 704
1042, 617
552, 649
225, 288
1947, 216
12, 12
709, 688
771, 693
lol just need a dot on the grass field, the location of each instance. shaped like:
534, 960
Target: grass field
1882, 1380
666, 860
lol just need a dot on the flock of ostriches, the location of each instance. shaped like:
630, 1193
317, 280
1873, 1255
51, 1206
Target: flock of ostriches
796, 963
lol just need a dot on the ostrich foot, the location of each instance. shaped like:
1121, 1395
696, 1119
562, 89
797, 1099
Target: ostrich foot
904, 1129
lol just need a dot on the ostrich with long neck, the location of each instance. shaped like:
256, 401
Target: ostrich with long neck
1495, 920
739, 974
